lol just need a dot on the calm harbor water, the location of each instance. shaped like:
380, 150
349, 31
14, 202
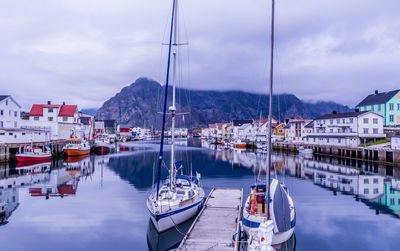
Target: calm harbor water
341, 204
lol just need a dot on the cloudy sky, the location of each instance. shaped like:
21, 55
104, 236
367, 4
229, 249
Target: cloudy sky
84, 52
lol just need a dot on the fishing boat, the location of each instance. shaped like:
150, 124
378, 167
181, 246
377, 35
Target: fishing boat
181, 197
239, 144
102, 145
76, 146
34, 154
269, 210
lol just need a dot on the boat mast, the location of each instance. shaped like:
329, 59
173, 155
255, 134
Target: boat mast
268, 183
160, 157
173, 107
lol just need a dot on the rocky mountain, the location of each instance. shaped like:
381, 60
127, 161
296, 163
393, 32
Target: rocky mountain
140, 104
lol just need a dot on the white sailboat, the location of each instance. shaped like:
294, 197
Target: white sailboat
181, 197
278, 215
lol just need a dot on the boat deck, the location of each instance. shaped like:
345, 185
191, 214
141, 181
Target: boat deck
217, 222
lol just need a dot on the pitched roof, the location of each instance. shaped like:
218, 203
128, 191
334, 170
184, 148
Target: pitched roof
240, 122
378, 98
310, 125
341, 115
67, 110
3, 97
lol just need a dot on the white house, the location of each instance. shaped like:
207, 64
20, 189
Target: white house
62, 120
296, 130
11, 124
346, 129
10, 112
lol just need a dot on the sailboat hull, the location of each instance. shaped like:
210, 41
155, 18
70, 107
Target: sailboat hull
168, 220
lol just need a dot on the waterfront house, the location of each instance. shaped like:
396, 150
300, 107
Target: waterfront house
346, 129
62, 120
295, 130
386, 104
10, 112
12, 128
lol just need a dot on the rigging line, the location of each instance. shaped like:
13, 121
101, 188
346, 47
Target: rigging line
160, 158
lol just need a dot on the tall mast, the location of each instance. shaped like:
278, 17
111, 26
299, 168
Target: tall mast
270, 112
160, 157
173, 107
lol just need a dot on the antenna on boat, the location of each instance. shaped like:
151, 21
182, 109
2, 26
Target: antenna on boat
160, 157
268, 183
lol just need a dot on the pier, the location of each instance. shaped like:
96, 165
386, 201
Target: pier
217, 223
8, 150
369, 153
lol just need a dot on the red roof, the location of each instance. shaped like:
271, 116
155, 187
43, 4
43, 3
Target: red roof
67, 110
212, 125
124, 130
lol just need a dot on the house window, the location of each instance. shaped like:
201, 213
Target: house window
365, 120
375, 121
1, 124
376, 181
1, 112
365, 130
375, 130
50, 118
379, 107
23, 133
15, 114
338, 121
331, 130
327, 140
339, 140
65, 119
351, 120
376, 191
10, 133
314, 139
15, 123
6, 101
366, 191
392, 201
372, 107
343, 121
2, 133
366, 181
36, 118
331, 121
391, 118
391, 107
50, 109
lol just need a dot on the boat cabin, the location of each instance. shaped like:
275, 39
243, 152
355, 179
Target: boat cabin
257, 203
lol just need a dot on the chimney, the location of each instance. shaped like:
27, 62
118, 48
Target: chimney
357, 110
49, 102
376, 92
63, 102
334, 112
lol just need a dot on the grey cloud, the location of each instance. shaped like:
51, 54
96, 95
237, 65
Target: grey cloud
85, 52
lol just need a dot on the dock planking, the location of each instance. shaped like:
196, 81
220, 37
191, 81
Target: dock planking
217, 222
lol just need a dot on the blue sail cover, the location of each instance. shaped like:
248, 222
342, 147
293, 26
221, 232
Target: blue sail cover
281, 209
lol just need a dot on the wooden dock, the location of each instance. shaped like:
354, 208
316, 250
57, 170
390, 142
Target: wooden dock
217, 222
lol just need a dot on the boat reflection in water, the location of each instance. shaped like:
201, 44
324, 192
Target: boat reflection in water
168, 239
64, 181
12, 179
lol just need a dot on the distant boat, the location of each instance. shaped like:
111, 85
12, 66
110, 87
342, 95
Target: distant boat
102, 145
269, 209
76, 146
239, 144
181, 197
34, 155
